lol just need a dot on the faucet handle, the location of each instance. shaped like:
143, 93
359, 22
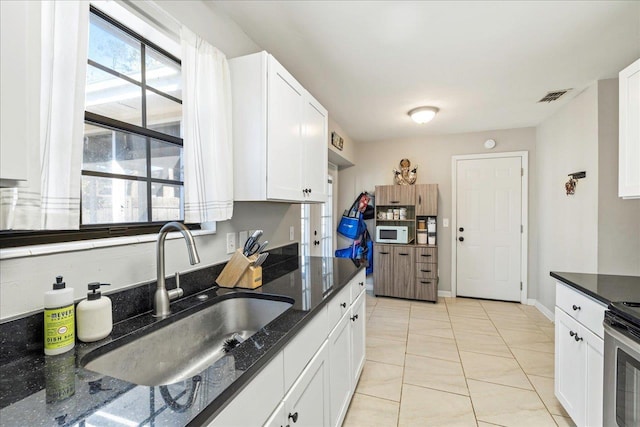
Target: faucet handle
178, 291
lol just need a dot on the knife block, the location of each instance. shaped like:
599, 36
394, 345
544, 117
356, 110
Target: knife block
251, 279
235, 269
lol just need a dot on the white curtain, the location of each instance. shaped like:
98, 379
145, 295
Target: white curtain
51, 201
206, 125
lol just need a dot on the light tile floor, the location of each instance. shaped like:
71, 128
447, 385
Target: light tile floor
461, 362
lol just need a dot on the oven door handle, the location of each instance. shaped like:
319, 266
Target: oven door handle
622, 337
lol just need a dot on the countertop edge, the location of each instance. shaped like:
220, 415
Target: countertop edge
578, 287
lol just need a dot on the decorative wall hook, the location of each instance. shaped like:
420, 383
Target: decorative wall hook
570, 186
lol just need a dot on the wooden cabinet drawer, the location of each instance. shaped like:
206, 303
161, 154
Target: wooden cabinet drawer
582, 308
427, 289
426, 271
427, 255
339, 305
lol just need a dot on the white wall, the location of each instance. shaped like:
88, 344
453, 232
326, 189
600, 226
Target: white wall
618, 219
376, 161
592, 231
24, 280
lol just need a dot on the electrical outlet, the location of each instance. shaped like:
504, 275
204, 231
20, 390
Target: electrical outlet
231, 243
243, 236
445, 222
291, 233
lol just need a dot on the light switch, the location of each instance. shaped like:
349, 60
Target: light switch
445, 222
291, 233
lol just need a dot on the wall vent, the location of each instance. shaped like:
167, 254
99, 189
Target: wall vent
554, 95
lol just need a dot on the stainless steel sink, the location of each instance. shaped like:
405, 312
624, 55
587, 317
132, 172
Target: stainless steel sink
189, 345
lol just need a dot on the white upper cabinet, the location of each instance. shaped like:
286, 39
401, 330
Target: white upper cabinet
629, 150
20, 87
279, 134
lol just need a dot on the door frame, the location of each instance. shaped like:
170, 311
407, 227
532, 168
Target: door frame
524, 242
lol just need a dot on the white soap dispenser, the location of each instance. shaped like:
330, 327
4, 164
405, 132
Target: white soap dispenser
95, 319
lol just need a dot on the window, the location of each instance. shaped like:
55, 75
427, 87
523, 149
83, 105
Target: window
132, 152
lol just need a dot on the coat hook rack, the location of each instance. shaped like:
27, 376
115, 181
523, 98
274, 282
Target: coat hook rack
570, 186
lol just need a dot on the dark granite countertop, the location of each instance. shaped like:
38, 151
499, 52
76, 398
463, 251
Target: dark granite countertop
605, 288
56, 391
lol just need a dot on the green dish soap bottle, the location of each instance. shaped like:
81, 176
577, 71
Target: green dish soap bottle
59, 319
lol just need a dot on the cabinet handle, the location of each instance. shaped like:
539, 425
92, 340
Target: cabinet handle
419, 199
395, 201
425, 283
426, 271
343, 305
576, 307
575, 336
403, 254
426, 255
293, 416
353, 319
383, 253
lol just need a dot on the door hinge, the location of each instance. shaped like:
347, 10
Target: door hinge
521, 228
520, 285
521, 171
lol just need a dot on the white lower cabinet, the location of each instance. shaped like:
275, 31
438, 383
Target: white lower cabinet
307, 403
358, 338
311, 381
340, 369
262, 394
278, 418
579, 363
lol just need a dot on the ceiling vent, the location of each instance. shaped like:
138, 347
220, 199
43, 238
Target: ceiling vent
552, 96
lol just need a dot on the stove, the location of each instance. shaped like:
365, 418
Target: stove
622, 365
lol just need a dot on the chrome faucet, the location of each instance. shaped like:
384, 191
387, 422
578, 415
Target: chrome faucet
162, 297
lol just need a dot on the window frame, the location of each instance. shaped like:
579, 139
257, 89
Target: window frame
17, 238
142, 131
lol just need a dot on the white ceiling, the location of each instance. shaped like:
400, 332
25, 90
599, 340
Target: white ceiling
485, 64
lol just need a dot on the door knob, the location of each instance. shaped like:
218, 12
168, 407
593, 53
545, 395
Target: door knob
461, 238
461, 229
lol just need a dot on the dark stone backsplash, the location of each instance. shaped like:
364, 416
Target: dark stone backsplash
24, 336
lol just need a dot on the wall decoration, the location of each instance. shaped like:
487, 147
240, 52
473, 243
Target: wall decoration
337, 141
406, 175
570, 186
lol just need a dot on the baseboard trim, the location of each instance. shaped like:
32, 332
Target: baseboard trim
544, 310
444, 294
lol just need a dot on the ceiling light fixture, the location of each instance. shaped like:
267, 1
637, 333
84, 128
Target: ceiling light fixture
423, 114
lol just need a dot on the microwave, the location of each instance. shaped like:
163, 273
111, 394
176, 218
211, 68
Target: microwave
392, 234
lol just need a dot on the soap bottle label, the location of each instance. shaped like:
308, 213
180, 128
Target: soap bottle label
59, 327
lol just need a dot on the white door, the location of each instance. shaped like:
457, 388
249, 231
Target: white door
488, 234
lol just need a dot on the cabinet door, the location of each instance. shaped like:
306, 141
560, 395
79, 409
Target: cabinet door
395, 195
426, 199
307, 403
314, 164
403, 272
629, 146
594, 377
358, 322
340, 369
383, 269
284, 123
570, 367
278, 418
20, 88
